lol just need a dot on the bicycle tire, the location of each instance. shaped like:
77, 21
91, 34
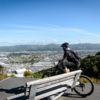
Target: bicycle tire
86, 81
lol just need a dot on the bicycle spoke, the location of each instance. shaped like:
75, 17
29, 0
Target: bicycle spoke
85, 87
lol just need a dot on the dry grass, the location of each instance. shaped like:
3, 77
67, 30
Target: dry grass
2, 76
96, 81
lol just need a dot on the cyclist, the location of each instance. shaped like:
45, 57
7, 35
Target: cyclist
70, 58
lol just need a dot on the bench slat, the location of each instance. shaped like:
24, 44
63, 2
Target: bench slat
54, 82
50, 93
67, 83
40, 81
15, 96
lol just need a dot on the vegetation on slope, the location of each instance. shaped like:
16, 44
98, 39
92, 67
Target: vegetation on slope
2, 76
91, 66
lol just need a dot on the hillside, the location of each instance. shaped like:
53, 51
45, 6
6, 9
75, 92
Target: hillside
51, 47
91, 66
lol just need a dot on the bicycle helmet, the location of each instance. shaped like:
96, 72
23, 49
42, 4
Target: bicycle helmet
65, 45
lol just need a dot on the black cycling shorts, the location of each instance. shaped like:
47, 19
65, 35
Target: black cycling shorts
69, 65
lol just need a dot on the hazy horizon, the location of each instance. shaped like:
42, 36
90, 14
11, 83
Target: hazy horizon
39, 44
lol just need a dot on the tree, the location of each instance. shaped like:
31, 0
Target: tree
98, 53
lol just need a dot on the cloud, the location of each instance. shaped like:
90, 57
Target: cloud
17, 31
50, 28
50, 34
55, 41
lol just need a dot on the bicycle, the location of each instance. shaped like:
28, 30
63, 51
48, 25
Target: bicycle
85, 87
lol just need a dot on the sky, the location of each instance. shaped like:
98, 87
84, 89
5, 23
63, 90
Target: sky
49, 21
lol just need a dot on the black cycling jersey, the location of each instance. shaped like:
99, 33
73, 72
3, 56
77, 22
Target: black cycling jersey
71, 56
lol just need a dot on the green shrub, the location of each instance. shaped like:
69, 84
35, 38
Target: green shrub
91, 66
12, 75
28, 74
37, 75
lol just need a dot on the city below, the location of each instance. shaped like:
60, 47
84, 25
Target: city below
18, 62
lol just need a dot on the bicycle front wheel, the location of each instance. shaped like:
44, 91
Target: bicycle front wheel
85, 87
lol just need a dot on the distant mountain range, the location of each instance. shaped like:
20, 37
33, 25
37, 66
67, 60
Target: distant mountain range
51, 47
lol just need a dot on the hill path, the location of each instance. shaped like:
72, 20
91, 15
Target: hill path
12, 86
74, 96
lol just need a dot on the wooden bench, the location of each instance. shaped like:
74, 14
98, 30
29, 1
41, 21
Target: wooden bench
51, 87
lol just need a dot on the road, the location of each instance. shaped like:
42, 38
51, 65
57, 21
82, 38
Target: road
12, 86
74, 96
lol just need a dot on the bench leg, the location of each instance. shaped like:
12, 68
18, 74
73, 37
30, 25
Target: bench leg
56, 97
75, 80
59, 95
32, 93
51, 98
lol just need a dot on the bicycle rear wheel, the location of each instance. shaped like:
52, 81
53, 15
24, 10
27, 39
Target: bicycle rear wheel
85, 87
